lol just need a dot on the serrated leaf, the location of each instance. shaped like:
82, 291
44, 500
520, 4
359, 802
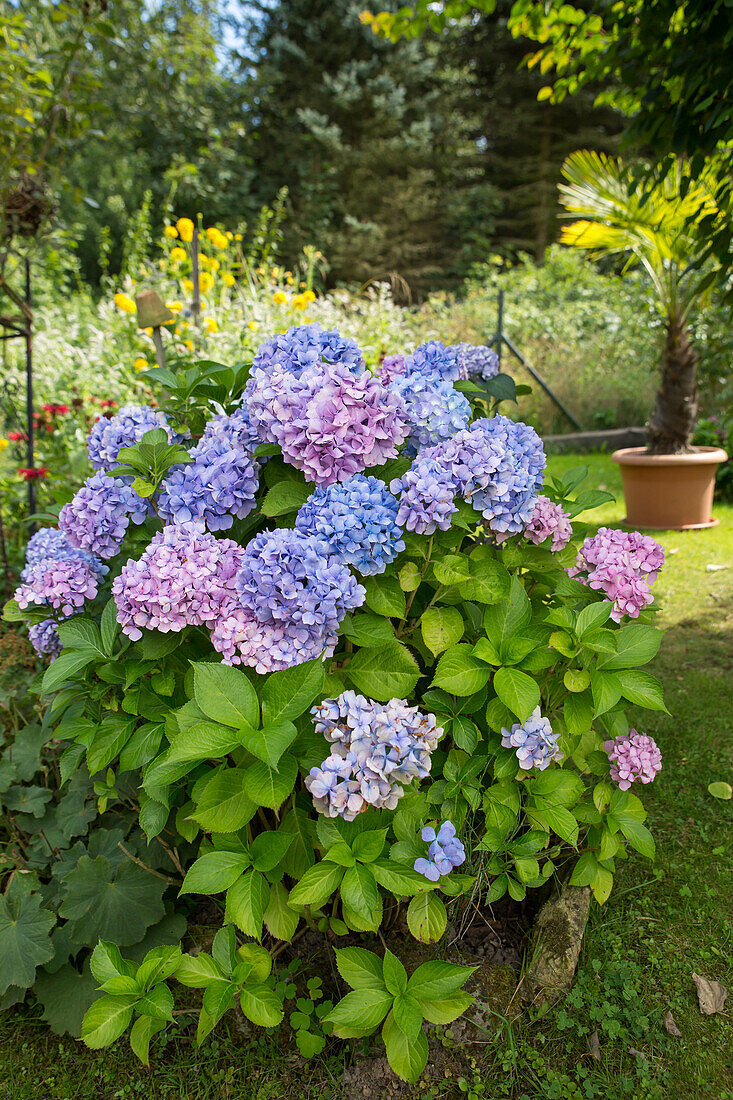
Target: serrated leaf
384, 596
384, 673
111, 903
280, 919
25, 941
362, 969
359, 1012
460, 672
288, 694
268, 787
247, 900
317, 885
441, 627
106, 1020
427, 918
223, 805
214, 871
142, 1031
517, 691
407, 1057
225, 694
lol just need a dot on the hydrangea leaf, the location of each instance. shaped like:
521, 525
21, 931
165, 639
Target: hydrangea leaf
407, 1056
384, 673
460, 672
287, 694
109, 903
268, 787
441, 628
518, 691
225, 695
427, 917
223, 805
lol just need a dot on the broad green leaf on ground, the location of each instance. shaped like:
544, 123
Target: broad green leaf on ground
111, 903
362, 969
66, 995
25, 937
359, 1012
407, 1057
261, 1005
106, 1020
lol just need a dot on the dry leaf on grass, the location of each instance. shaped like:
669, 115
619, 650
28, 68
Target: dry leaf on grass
594, 1046
671, 1027
710, 995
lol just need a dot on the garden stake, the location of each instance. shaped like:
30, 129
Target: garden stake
152, 313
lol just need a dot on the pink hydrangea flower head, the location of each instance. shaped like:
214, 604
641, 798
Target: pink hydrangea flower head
62, 583
635, 757
622, 565
549, 521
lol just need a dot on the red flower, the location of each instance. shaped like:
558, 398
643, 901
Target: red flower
50, 428
32, 473
56, 410
108, 404
16, 437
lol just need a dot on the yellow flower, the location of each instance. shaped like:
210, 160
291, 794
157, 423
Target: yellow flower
214, 263
279, 298
237, 236
230, 235
148, 331
309, 296
140, 363
206, 281
187, 285
252, 325
290, 280
178, 253
171, 231
124, 303
228, 279
216, 237
210, 324
174, 307
299, 301
185, 228
4, 443
188, 344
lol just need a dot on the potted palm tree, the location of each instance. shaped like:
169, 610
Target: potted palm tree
670, 483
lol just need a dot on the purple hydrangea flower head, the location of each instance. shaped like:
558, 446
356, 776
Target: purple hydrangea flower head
426, 494
378, 749
183, 578
236, 429
445, 853
44, 637
635, 758
622, 565
290, 580
328, 422
123, 430
435, 362
62, 583
306, 346
358, 521
218, 485
48, 543
477, 361
549, 521
435, 409
266, 647
97, 518
533, 741
391, 367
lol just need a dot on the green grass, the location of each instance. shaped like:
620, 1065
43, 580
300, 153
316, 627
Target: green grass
661, 923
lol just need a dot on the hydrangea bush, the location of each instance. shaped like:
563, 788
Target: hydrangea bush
323, 640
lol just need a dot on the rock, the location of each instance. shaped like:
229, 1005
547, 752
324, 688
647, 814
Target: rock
556, 940
493, 987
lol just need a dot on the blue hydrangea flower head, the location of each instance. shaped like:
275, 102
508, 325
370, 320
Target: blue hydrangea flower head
304, 346
97, 518
533, 741
477, 361
357, 518
426, 493
44, 637
445, 853
51, 544
123, 430
434, 361
435, 409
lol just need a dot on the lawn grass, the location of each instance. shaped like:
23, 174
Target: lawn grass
661, 923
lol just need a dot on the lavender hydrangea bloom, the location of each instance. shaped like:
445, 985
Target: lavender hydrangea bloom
635, 757
63, 583
435, 410
533, 741
446, 851
378, 749
434, 362
97, 518
358, 520
391, 367
304, 346
477, 361
267, 647
218, 485
236, 429
123, 430
289, 579
622, 565
426, 496
549, 521
44, 637
48, 543
329, 423
183, 578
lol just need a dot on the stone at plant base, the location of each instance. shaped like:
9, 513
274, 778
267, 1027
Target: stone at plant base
558, 934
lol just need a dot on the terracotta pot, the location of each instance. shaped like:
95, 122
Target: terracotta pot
669, 492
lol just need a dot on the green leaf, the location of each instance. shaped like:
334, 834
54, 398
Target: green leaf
300, 855
427, 918
362, 969
407, 1015
246, 902
399, 879
25, 941
317, 885
407, 1057
270, 788
636, 644
585, 870
368, 846
159, 964
109, 627
409, 577
158, 1003
217, 1000
223, 805
637, 834
106, 1020
144, 1028
288, 694
64, 668
508, 617
368, 630
261, 1005
198, 971
384, 596
213, 872
460, 672
721, 790
111, 737
384, 673
12, 612
451, 569
269, 743
592, 617
284, 497
268, 849
280, 919
576, 679
80, 632
441, 627
203, 741
518, 691
116, 903
359, 1012
225, 695
434, 980
606, 689
359, 892
106, 962
447, 1009
489, 582
641, 688
395, 975
65, 995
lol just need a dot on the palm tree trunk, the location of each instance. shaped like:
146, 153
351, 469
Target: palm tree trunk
670, 427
